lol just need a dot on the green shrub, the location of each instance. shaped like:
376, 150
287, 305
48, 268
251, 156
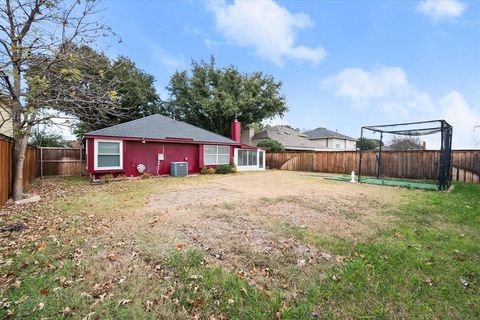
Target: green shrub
211, 171
271, 145
223, 169
204, 170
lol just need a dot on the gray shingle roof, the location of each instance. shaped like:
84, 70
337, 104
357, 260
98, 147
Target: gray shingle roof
322, 133
160, 127
289, 138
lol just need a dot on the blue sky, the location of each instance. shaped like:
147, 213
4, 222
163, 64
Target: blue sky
343, 64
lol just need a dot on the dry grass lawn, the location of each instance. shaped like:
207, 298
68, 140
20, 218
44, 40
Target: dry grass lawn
252, 245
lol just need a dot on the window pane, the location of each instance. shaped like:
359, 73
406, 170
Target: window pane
108, 161
109, 147
223, 150
210, 149
252, 157
242, 157
223, 159
209, 159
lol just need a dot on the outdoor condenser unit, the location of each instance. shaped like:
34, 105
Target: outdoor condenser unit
179, 169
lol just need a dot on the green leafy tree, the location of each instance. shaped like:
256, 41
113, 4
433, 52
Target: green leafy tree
271, 145
43, 138
368, 144
130, 92
211, 97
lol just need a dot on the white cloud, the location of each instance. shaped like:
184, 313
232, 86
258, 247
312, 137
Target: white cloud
266, 26
386, 88
456, 111
166, 59
441, 9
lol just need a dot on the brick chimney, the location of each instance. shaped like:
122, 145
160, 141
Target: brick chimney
235, 131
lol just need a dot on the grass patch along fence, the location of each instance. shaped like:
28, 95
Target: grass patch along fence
421, 164
39, 162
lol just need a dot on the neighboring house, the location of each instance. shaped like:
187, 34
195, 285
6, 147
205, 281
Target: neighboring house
290, 139
331, 140
6, 126
320, 139
156, 141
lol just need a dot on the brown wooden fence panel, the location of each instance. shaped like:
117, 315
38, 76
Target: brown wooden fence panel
5, 169
30, 171
61, 161
422, 164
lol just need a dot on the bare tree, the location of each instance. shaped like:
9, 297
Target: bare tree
39, 33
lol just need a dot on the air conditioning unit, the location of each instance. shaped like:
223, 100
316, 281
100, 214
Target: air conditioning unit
179, 169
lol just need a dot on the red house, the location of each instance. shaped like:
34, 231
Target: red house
152, 143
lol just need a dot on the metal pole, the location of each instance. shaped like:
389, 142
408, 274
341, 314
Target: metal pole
379, 155
360, 158
440, 182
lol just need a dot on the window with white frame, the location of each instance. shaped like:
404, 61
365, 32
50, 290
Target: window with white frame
213, 155
247, 157
108, 154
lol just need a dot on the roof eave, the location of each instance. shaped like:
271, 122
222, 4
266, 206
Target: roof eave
173, 140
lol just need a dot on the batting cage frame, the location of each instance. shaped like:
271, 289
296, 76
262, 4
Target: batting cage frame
424, 128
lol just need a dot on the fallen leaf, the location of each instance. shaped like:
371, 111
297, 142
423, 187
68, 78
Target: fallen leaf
89, 316
16, 284
198, 302
41, 305
67, 311
44, 292
180, 246
429, 281
42, 246
148, 305
124, 302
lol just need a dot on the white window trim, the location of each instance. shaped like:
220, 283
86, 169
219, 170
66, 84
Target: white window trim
216, 155
95, 155
250, 168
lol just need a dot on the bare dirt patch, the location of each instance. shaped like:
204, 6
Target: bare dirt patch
234, 220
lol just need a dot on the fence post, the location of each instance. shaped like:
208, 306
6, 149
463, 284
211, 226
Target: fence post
81, 161
41, 162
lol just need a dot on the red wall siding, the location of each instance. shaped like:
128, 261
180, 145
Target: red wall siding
136, 152
146, 153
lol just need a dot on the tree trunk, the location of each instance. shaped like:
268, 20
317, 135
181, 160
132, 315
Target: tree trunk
19, 150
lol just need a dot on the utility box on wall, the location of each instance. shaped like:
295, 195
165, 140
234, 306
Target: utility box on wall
179, 169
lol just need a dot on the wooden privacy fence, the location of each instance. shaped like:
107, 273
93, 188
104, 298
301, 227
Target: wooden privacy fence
6, 163
61, 161
421, 164
38, 162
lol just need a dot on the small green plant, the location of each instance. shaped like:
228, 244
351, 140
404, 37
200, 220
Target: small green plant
223, 169
204, 170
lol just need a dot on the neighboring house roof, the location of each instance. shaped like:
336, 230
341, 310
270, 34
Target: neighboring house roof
159, 127
323, 133
289, 138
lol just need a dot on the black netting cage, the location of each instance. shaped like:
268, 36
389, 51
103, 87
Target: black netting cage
413, 129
